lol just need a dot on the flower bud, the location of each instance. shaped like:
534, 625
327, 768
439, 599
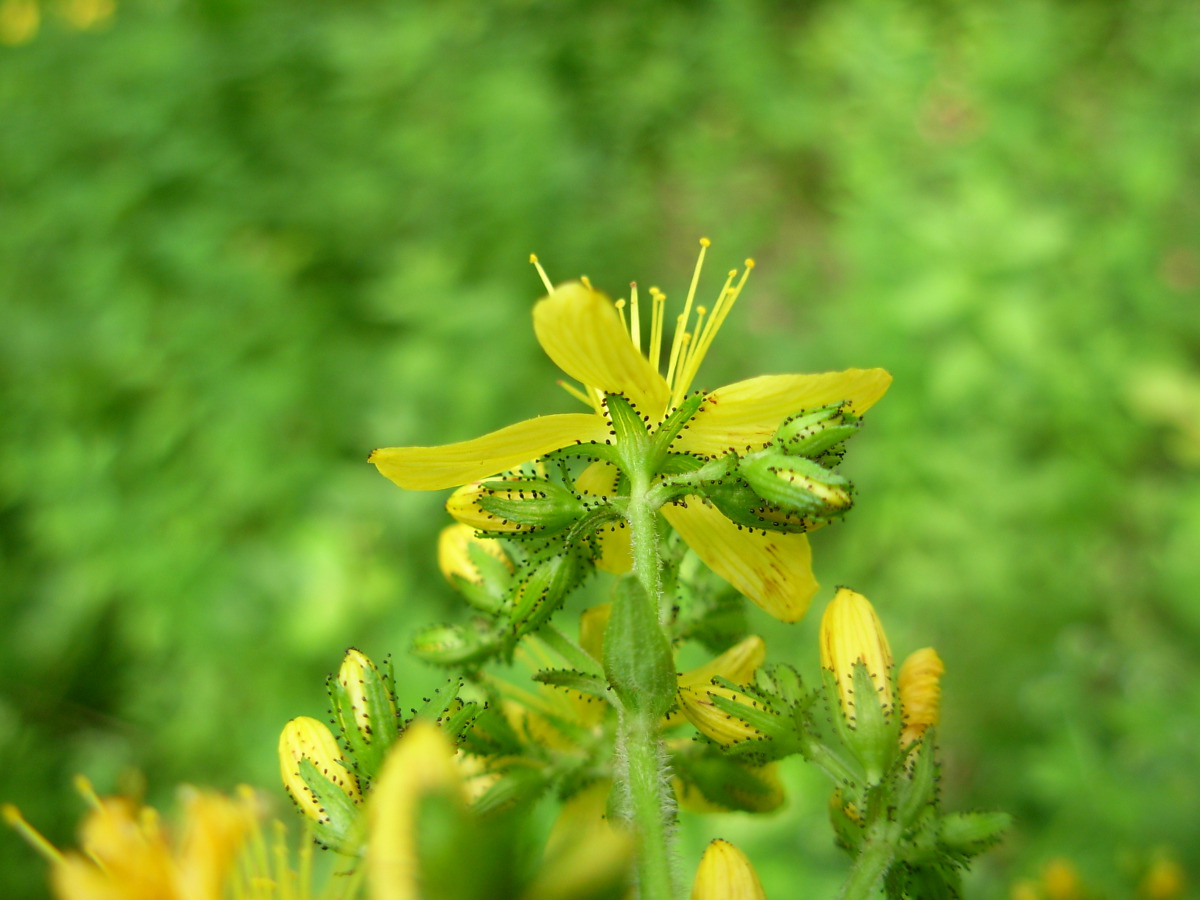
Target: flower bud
724, 873
814, 432
858, 680
542, 591
454, 645
851, 634
365, 703
796, 484
459, 547
317, 779
920, 692
726, 729
515, 506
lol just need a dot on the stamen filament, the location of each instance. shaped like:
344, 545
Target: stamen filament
729, 295
35, 839
681, 329
659, 300
676, 348
620, 305
635, 317
542, 272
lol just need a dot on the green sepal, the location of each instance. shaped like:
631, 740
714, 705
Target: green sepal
925, 882
367, 744
813, 432
728, 783
916, 781
458, 717
847, 829
573, 680
516, 787
629, 426
668, 431
967, 834
545, 507
454, 645
739, 503
488, 594
637, 655
542, 591
796, 484
491, 734
875, 732
337, 829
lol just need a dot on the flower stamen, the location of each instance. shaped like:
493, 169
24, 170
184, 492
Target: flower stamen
659, 300
728, 296
635, 317
542, 272
35, 839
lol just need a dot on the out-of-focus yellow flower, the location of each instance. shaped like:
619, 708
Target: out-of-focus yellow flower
19, 21
585, 334
1163, 880
920, 692
852, 633
454, 557
87, 14
128, 853
1060, 880
421, 764
307, 738
724, 873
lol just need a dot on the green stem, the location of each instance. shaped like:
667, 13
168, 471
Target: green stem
638, 743
644, 770
873, 861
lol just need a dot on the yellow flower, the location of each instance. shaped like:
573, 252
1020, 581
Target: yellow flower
852, 633
585, 334
920, 692
128, 853
724, 873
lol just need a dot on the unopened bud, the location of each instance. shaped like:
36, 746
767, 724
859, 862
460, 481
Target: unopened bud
725, 873
515, 506
454, 645
858, 660
920, 693
365, 703
542, 591
796, 484
459, 547
317, 778
813, 432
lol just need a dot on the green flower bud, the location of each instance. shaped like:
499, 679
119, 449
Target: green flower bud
515, 506
454, 645
971, 833
364, 701
796, 484
814, 432
542, 591
637, 655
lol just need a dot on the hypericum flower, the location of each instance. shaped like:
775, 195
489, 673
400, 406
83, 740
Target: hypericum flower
128, 853
920, 692
851, 633
585, 334
724, 873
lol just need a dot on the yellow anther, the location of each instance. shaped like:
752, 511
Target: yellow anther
586, 282
705, 242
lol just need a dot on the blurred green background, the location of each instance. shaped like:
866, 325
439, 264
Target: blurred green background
243, 243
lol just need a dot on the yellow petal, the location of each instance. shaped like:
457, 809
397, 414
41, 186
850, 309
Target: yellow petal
724, 873
745, 415
737, 664
434, 468
773, 569
580, 330
421, 763
616, 555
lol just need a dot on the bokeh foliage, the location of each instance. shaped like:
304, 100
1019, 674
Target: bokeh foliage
245, 242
